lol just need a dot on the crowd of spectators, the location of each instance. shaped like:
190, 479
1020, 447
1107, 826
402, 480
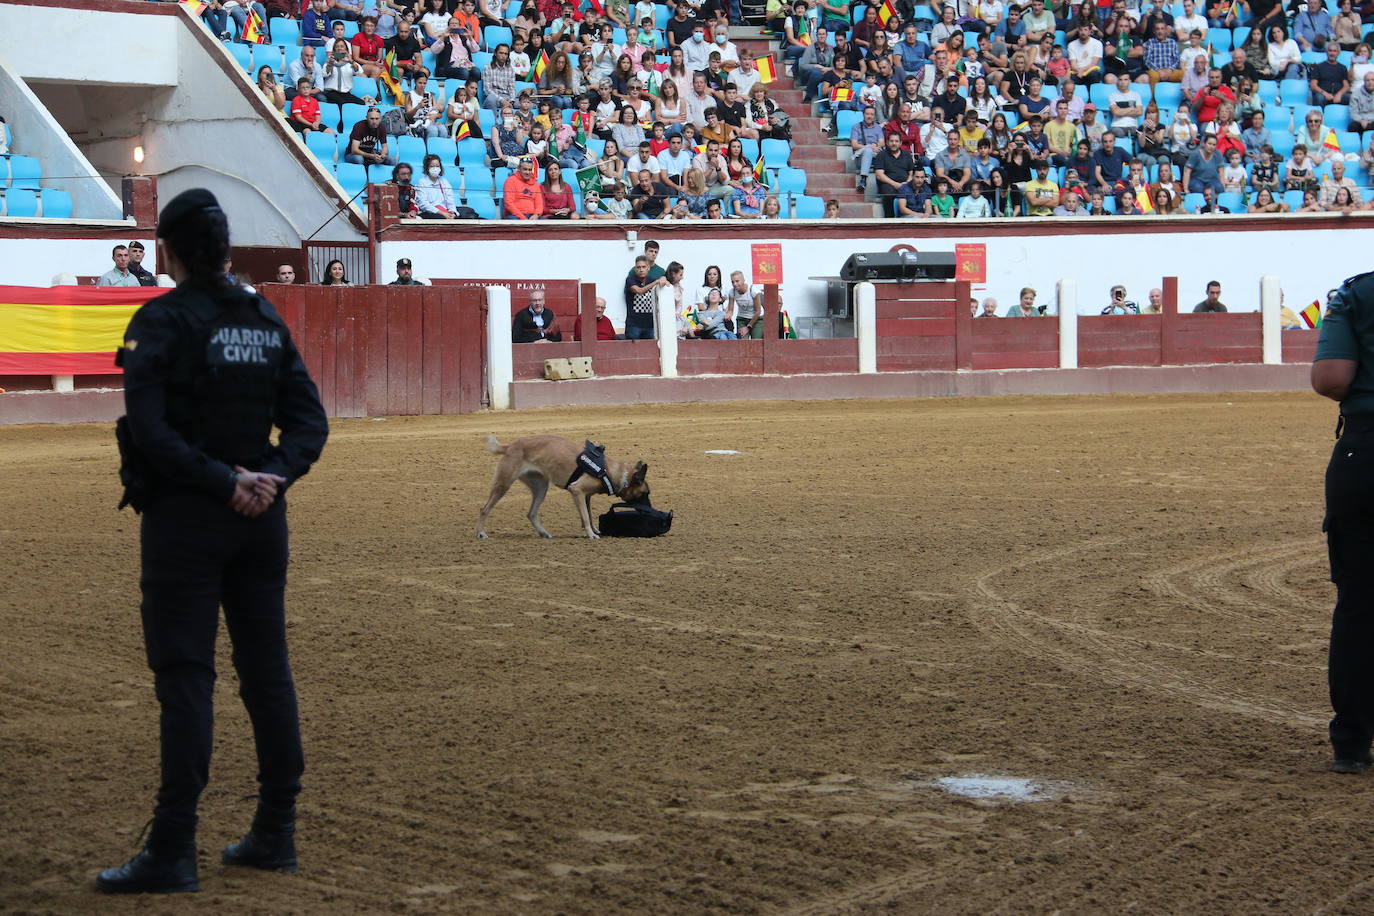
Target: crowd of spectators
1097, 109
1118, 303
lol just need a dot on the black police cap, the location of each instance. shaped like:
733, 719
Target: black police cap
182, 206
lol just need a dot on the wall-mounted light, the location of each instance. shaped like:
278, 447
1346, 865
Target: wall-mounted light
138, 155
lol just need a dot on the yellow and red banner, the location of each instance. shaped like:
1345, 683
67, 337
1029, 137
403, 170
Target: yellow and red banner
66, 330
1331, 143
842, 95
1312, 315
254, 29
887, 12
768, 70
194, 7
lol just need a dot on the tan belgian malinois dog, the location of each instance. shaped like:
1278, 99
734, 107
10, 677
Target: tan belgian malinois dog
538, 461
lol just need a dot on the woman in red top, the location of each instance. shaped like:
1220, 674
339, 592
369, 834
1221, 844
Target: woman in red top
735, 162
367, 48
559, 202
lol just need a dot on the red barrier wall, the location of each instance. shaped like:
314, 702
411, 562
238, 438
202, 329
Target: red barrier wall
388, 350
1300, 346
1119, 340
1016, 343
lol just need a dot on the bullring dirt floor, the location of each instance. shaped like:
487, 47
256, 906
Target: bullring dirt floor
1110, 613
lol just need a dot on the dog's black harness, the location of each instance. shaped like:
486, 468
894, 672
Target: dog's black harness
592, 461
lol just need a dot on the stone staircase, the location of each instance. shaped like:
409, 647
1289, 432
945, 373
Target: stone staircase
827, 165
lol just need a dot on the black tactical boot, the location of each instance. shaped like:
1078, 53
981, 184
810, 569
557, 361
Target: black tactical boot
270, 843
167, 865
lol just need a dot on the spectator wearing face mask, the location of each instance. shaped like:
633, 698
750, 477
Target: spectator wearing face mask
696, 52
433, 193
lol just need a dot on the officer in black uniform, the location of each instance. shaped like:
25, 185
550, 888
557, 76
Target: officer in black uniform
1343, 370
209, 369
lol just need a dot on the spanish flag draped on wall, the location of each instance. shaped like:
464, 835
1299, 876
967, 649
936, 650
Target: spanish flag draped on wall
66, 330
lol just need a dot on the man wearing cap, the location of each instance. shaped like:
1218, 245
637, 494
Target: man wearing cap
209, 370
403, 277
136, 265
119, 275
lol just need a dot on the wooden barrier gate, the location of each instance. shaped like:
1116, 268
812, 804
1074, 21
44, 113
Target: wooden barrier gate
389, 350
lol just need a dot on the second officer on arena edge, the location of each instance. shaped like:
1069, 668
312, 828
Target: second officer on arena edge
1343, 370
209, 369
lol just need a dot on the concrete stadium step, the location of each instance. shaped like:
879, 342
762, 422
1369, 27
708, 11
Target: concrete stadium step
859, 210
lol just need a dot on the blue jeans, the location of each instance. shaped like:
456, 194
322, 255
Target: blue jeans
574, 157
218, 21
723, 334
865, 159
1197, 185
635, 332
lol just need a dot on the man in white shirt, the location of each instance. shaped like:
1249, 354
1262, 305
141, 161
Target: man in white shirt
1126, 107
745, 76
698, 100
643, 161
1085, 57
696, 51
746, 303
1190, 20
674, 162
934, 136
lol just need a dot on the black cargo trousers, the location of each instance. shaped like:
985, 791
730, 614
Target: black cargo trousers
1349, 527
198, 554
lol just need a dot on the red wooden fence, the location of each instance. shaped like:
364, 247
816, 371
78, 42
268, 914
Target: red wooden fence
388, 350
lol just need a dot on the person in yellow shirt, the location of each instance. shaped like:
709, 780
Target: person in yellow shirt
1042, 195
971, 132
1061, 134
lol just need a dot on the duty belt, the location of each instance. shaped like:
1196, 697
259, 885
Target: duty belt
1348, 424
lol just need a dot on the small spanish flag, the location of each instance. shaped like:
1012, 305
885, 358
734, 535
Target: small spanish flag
1312, 315
887, 12
761, 173
842, 95
254, 30
1331, 142
541, 64
1142, 200
463, 132
806, 39
788, 332
194, 7
700, 148
768, 71
391, 77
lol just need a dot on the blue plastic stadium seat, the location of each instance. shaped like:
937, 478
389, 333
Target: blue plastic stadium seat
494, 35
1293, 92
324, 146
1367, 194
596, 145
1233, 201
791, 181
923, 11
809, 207
776, 152
444, 148
352, 177
1168, 95
56, 204
1098, 94
1336, 117
499, 177
1293, 199
25, 172
411, 150
1312, 57
285, 32
845, 121
1220, 40
351, 29
486, 119
472, 151
1238, 35
483, 204
482, 59
1349, 141
21, 202
1282, 142
349, 115
750, 147
1191, 202
618, 35
477, 178
363, 86
243, 54
661, 16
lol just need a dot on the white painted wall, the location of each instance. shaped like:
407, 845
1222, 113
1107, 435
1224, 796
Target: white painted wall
1308, 263
34, 132
79, 45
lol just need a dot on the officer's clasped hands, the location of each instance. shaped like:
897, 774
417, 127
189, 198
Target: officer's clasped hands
254, 492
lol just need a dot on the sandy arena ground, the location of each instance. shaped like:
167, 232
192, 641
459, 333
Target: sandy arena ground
1120, 599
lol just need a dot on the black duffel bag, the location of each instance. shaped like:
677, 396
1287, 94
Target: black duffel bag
641, 520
